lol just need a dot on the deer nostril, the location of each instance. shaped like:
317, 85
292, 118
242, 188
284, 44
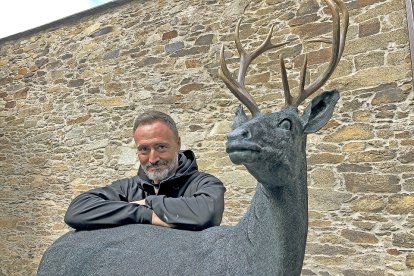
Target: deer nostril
245, 134
239, 134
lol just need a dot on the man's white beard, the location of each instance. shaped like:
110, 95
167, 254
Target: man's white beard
158, 175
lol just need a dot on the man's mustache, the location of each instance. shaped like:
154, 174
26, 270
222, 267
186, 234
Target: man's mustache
156, 164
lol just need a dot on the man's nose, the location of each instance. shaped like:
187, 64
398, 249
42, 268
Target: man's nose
153, 156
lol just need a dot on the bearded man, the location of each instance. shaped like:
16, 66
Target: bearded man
167, 191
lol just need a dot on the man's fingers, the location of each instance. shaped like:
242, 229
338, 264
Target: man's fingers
157, 221
139, 202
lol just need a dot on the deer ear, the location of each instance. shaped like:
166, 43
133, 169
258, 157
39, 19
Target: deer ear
319, 111
240, 118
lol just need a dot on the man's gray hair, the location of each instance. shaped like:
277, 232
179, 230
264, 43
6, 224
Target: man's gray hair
151, 116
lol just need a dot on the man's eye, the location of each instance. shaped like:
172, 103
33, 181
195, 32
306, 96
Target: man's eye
142, 149
161, 147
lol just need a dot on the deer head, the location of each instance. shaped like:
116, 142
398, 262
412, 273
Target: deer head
272, 146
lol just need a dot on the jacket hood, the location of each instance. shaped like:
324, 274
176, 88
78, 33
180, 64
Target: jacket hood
187, 165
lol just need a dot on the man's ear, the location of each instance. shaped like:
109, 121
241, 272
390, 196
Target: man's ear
240, 118
179, 142
319, 111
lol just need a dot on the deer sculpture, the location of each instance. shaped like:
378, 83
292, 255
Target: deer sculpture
270, 239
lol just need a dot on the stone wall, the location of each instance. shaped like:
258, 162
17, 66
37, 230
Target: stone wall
69, 94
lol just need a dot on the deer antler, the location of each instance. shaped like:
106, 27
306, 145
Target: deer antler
338, 43
237, 87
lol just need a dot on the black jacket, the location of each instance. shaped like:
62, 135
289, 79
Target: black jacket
189, 199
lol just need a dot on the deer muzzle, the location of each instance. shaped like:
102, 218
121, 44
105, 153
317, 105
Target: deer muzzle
241, 148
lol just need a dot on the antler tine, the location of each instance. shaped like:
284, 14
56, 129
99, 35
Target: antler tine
338, 44
237, 87
285, 82
345, 17
247, 58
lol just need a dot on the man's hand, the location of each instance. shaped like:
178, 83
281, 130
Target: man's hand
155, 219
139, 202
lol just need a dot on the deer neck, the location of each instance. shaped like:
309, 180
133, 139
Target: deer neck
276, 222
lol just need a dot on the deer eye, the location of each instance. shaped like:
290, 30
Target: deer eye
285, 124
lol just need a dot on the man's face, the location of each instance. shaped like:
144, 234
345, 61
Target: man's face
157, 150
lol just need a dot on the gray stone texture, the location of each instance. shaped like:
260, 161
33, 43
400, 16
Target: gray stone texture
66, 113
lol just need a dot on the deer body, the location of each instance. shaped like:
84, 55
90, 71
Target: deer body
270, 239
246, 249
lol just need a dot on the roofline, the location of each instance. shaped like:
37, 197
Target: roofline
74, 18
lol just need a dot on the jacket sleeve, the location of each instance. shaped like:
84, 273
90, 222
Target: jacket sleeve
203, 209
106, 207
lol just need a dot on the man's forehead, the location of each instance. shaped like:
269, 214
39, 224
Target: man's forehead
156, 128
152, 127
156, 132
